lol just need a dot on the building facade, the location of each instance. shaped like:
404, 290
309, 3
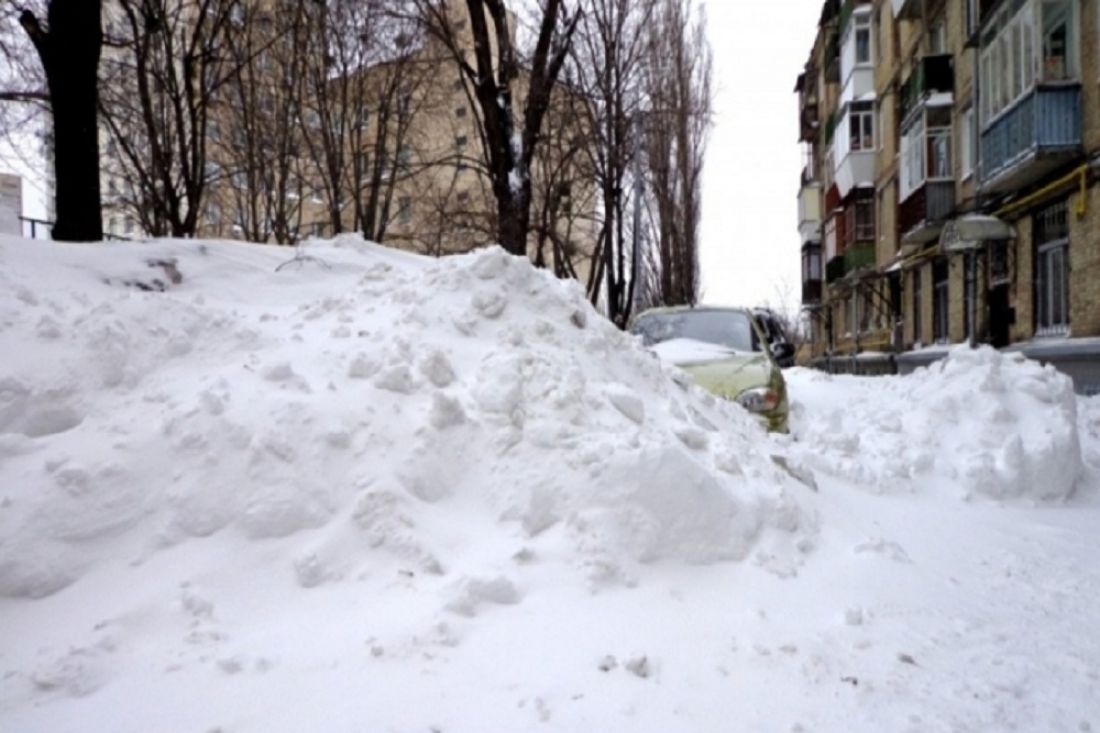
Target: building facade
317, 132
950, 193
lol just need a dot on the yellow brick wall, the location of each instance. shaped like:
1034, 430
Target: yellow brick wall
1084, 259
1022, 295
956, 300
1088, 13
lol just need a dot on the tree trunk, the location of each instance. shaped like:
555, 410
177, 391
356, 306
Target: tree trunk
69, 51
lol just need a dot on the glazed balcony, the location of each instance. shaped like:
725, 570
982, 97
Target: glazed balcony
931, 75
923, 213
811, 292
809, 210
1033, 137
859, 256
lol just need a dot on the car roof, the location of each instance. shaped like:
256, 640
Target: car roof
693, 309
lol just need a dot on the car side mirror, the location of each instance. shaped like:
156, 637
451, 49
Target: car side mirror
782, 350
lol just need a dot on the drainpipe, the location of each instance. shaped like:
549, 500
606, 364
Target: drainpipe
975, 107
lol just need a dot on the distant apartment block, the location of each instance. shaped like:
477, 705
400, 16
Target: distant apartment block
407, 146
949, 194
11, 204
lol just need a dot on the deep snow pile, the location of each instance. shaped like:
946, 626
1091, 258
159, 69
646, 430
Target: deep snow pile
989, 423
366, 392
371, 491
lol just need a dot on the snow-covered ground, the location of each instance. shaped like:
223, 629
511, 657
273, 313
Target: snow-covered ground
366, 491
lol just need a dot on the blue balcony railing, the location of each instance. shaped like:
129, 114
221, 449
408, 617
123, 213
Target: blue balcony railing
1047, 120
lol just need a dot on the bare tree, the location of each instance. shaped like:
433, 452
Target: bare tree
509, 140
609, 59
160, 84
563, 197
258, 127
678, 87
68, 47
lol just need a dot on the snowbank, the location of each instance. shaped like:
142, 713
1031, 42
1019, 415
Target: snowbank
993, 424
360, 403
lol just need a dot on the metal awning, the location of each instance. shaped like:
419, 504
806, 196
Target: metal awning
970, 231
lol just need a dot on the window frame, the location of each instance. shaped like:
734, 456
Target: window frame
1052, 269
861, 25
941, 302
861, 115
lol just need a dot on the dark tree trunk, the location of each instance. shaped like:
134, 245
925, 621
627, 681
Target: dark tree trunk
69, 50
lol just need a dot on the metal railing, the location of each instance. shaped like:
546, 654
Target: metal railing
1047, 119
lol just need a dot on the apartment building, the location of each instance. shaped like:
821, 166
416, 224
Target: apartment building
955, 200
381, 140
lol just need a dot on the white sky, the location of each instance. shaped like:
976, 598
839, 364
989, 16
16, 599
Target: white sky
750, 245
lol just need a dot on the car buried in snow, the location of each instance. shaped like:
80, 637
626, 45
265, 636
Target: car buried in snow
725, 351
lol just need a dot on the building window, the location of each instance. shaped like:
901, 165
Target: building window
865, 220
971, 17
940, 301
1052, 270
1057, 37
939, 143
937, 37
866, 307
917, 325
967, 144
863, 38
912, 158
1025, 42
404, 157
811, 265
460, 141
460, 111
404, 209
926, 150
861, 126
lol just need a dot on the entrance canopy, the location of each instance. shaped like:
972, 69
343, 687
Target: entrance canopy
972, 230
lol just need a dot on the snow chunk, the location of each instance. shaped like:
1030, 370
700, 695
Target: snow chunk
1003, 426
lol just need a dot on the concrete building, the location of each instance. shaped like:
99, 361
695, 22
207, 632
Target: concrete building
408, 146
982, 222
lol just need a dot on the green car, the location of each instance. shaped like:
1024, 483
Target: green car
725, 351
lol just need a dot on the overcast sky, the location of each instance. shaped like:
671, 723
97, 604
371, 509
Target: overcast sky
750, 246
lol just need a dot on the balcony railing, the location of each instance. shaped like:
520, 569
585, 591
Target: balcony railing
1017, 148
921, 215
931, 74
834, 269
859, 256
